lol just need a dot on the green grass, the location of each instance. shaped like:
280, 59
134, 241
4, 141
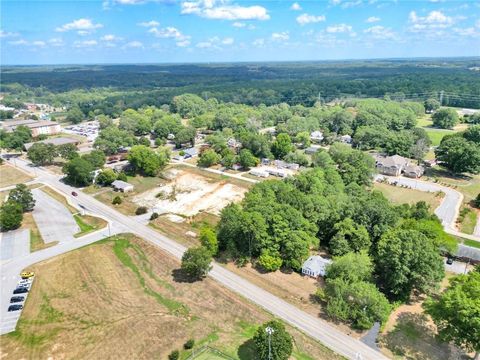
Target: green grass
209, 355
467, 220
472, 243
120, 249
436, 135
88, 224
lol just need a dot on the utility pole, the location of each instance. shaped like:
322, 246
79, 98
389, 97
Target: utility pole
269, 331
441, 97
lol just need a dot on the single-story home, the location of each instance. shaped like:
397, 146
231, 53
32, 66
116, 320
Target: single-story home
54, 141
315, 266
190, 152
316, 136
277, 172
119, 185
413, 171
259, 173
392, 165
284, 165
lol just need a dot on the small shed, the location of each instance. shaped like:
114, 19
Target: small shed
190, 152
122, 186
315, 266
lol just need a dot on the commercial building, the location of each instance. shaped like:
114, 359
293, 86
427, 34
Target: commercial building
54, 141
37, 127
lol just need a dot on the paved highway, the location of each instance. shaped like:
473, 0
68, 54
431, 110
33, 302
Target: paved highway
311, 325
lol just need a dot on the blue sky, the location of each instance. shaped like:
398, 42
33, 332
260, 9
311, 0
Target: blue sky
159, 31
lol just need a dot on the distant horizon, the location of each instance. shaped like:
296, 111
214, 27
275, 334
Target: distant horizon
419, 58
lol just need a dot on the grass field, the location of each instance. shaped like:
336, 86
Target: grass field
436, 135
88, 224
467, 220
471, 243
399, 195
123, 298
12, 176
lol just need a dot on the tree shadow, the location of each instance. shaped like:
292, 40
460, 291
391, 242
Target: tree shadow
434, 172
246, 351
180, 276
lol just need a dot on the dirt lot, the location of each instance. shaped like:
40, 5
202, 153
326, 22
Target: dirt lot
124, 299
12, 176
188, 193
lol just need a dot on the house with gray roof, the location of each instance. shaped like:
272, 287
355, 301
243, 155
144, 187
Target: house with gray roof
119, 185
413, 171
392, 165
315, 266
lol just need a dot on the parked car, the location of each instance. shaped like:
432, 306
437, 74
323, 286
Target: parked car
15, 307
25, 285
16, 299
74, 193
27, 274
20, 290
25, 281
450, 260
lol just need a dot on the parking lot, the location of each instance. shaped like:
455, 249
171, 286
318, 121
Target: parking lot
88, 129
8, 320
14, 244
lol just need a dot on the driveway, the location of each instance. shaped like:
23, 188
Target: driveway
14, 244
54, 220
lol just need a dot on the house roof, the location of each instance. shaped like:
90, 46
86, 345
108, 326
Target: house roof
190, 151
54, 141
414, 169
316, 134
312, 149
315, 263
393, 161
119, 184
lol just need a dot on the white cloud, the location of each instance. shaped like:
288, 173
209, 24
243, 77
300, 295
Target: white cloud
171, 32
307, 19
228, 41
477, 24
39, 43
151, 23
381, 33
18, 42
471, 31
295, 7
204, 45
239, 24
339, 28
222, 10
434, 20
350, 4
83, 26
372, 19
6, 34
215, 43
56, 42
282, 36
85, 43
183, 43
133, 45
335, 2
109, 38
258, 42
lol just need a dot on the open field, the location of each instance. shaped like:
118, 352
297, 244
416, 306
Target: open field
123, 298
88, 224
436, 135
12, 176
399, 195
467, 220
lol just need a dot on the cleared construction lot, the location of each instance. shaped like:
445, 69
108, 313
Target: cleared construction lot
126, 299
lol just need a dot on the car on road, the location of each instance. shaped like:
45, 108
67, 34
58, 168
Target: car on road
27, 274
20, 290
450, 260
74, 193
15, 307
16, 299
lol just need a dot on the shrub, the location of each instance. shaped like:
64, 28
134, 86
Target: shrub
189, 344
117, 200
154, 216
181, 153
174, 355
141, 210
122, 176
269, 261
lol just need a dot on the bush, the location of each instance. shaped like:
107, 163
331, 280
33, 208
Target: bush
269, 262
189, 344
154, 216
174, 355
181, 153
141, 210
117, 200
122, 176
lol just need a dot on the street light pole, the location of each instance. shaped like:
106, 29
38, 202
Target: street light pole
269, 331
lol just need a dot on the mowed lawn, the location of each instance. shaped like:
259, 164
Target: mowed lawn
436, 135
122, 298
399, 195
11, 176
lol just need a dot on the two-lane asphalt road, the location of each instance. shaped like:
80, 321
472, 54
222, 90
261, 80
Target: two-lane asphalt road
311, 325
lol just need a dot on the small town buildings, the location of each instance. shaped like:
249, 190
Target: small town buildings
316, 136
284, 165
315, 266
190, 152
346, 139
277, 172
259, 173
54, 141
311, 150
413, 171
392, 165
37, 127
122, 186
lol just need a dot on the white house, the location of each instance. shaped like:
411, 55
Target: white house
259, 173
346, 139
315, 266
316, 136
122, 186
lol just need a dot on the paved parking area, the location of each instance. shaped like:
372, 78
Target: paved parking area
9, 319
14, 244
53, 219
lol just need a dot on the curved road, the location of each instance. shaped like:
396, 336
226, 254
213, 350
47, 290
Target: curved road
311, 325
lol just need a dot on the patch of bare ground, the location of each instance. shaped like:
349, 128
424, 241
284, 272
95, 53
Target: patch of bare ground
123, 298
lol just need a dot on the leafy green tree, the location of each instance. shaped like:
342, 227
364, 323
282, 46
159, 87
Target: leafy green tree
322, 159
282, 145
270, 261
354, 166
407, 260
445, 118
185, 135
11, 216
476, 202
19, 137
208, 158
104, 121
135, 122
351, 267
431, 104
473, 134
456, 312
168, 124
96, 158
297, 157
188, 105
147, 161
458, 154
117, 200
281, 342
174, 355
208, 239
23, 196
303, 138
196, 262
75, 115
106, 177
111, 139
258, 144
349, 237
67, 151
42, 154
228, 158
79, 172
246, 159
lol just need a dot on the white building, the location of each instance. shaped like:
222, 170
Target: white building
122, 186
259, 173
315, 266
316, 136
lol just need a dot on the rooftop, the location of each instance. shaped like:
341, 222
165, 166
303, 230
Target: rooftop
119, 184
315, 263
54, 141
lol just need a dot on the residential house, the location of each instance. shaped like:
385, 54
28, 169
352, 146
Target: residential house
392, 165
259, 173
413, 171
311, 150
346, 139
122, 186
316, 136
315, 266
190, 153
